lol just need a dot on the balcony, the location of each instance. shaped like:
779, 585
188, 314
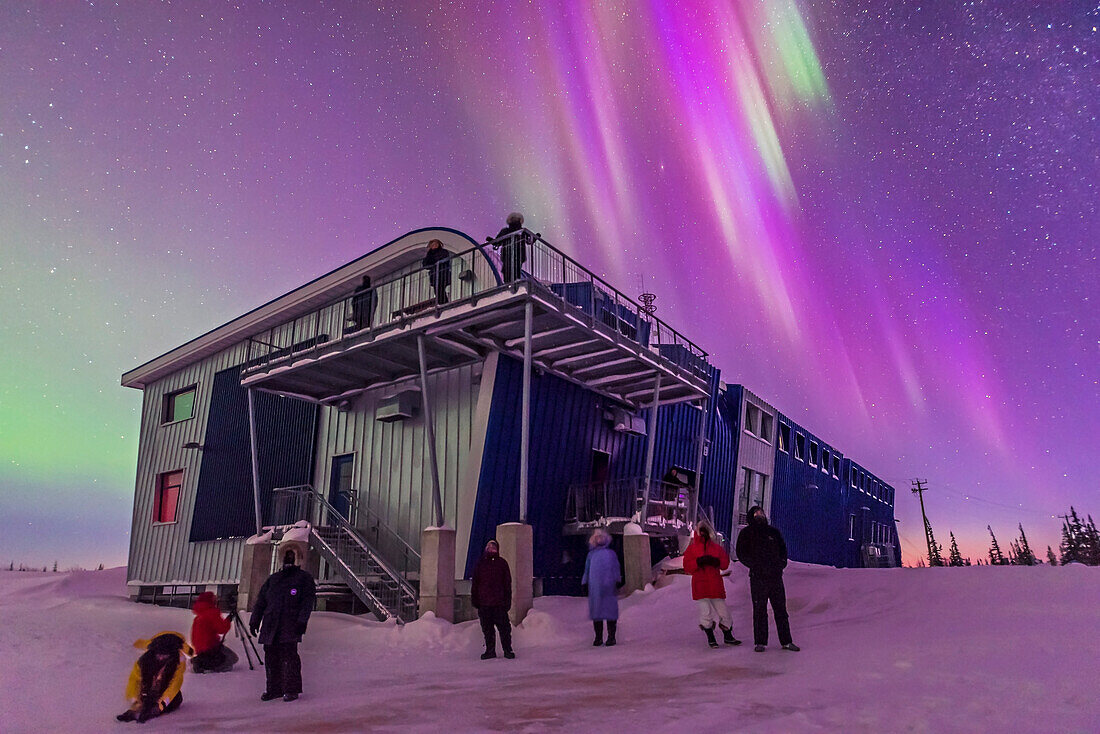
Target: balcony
661, 509
582, 330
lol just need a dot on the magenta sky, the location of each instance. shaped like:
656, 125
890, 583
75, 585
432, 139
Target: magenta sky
880, 217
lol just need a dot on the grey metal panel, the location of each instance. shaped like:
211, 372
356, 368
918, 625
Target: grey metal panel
161, 554
392, 472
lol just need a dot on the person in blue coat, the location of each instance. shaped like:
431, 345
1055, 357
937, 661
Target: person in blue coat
603, 577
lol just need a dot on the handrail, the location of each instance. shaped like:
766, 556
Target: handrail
377, 519
393, 300
343, 524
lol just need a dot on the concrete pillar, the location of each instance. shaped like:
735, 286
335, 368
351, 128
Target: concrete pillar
517, 547
255, 568
437, 572
637, 562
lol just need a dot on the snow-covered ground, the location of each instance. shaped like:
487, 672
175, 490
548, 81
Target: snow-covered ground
980, 649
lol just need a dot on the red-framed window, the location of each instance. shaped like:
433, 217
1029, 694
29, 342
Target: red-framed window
168, 494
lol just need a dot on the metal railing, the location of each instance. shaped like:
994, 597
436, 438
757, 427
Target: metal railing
464, 277
384, 587
661, 505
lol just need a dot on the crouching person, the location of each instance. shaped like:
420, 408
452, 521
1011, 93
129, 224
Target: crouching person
491, 595
157, 676
207, 630
279, 618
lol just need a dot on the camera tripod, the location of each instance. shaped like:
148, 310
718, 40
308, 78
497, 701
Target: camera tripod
246, 637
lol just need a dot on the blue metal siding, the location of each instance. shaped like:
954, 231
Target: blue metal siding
285, 430
867, 510
567, 423
808, 504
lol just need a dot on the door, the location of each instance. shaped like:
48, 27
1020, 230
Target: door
341, 487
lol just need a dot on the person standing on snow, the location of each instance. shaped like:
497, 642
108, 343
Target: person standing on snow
282, 608
491, 595
704, 561
760, 546
602, 575
211, 654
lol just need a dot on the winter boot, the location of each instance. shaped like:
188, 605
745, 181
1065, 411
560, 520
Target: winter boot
127, 715
488, 654
760, 648
727, 636
597, 625
612, 626
710, 635
792, 647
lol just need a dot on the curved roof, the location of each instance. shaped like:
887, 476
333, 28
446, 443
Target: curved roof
397, 253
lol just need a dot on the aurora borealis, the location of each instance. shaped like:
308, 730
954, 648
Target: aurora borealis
879, 216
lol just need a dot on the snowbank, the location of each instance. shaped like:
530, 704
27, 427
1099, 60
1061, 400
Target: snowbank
925, 650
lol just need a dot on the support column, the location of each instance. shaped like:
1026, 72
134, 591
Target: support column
429, 431
516, 547
255, 568
637, 561
437, 573
525, 426
255, 461
651, 438
703, 404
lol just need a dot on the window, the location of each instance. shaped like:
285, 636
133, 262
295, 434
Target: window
784, 437
825, 460
167, 497
851, 527
813, 453
758, 422
852, 478
799, 447
179, 405
836, 466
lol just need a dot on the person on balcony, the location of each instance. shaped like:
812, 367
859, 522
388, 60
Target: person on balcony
364, 302
282, 608
207, 631
437, 262
704, 561
513, 250
491, 595
602, 576
760, 546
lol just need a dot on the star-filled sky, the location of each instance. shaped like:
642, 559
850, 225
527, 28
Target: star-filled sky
879, 215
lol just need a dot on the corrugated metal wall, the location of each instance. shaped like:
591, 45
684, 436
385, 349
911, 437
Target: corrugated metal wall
161, 553
567, 424
861, 501
392, 466
808, 503
285, 429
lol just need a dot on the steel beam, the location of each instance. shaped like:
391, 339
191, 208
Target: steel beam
429, 431
255, 462
525, 427
651, 438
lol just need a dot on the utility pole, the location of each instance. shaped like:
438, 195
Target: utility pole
919, 489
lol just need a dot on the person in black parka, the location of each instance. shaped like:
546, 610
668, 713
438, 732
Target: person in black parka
279, 618
513, 250
364, 302
437, 261
491, 595
760, 546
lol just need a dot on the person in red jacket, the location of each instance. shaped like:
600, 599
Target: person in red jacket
704, 561
211, 654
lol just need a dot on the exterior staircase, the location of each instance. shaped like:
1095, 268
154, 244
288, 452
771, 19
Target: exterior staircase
385, 590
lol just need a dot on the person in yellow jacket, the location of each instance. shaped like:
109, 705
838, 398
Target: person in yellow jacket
157, 676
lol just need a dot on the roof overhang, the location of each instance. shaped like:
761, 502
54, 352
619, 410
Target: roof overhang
304, 299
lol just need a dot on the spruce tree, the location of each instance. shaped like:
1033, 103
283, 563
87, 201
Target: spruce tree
1074, 543
954, 557
1090, 550
935, 557
1051, 558
1024, 555
996, 557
